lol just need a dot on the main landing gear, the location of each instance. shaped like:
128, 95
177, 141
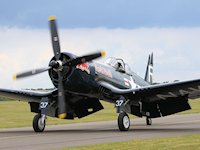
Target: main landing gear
123, 121
39, 123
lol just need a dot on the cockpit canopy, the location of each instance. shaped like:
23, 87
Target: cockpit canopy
118, 64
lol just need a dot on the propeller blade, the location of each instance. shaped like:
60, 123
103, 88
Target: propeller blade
61, 98
54, 37
30, 73
83, 59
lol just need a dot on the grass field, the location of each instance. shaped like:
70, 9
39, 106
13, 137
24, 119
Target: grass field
17, 114
191, 142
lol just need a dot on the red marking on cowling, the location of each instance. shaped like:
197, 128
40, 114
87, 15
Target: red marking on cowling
83, 67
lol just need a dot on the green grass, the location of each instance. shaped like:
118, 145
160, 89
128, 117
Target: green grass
195, 104
17, 114
191, 142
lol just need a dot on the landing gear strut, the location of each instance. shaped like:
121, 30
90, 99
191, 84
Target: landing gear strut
148, 121
123, 121
39, 123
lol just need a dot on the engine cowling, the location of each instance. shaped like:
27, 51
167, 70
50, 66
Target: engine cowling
66, 70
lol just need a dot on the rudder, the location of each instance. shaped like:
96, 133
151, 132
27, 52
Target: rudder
149, 70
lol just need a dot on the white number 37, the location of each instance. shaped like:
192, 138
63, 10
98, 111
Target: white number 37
119, 103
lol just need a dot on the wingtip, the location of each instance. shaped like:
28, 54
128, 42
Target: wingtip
103, 53
14, 77
51, 18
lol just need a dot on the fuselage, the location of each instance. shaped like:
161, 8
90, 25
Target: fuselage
84, 79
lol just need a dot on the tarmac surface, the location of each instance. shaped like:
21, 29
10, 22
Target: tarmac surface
60, 136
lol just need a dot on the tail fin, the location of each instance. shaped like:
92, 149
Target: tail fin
149, 70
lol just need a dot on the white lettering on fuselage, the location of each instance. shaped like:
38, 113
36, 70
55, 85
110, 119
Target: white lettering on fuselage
180, 92
103, 71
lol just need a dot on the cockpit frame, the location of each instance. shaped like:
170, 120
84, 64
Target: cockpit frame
118, 64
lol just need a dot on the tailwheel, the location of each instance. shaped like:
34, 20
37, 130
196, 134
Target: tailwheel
39, 123
148, 121
123, 122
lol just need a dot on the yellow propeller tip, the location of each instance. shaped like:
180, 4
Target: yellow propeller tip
103, 53
62, 116
14, 77
52, 18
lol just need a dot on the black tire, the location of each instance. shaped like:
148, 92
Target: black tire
123, 122
38, 126
148, 121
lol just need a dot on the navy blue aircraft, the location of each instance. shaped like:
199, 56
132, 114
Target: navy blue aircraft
80, 84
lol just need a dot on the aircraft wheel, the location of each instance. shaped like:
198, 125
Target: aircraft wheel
123, 122
148, 121
38, 124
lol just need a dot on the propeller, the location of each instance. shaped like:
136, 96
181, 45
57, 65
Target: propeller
83, 59
58, 65
61, 98
54, 37
30, 73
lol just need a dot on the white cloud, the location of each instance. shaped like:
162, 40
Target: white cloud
176, 50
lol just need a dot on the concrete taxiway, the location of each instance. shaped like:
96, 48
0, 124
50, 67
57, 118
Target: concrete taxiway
59, 136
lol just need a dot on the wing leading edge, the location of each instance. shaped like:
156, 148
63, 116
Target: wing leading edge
157, 92
25, 95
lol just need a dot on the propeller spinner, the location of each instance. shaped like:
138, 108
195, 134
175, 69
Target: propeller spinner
58, 65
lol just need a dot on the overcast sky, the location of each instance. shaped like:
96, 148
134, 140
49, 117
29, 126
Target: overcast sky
130, 29
101, 13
